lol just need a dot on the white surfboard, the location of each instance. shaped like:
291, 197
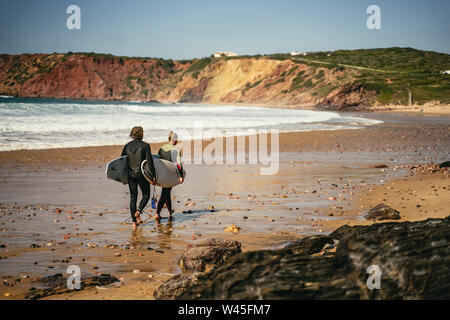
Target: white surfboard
166, 172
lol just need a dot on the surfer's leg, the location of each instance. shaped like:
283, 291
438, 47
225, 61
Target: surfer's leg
169, 200
162, 201
160, 204
145, 188
132, 184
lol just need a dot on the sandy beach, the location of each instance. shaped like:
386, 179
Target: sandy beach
58, 209
427, 108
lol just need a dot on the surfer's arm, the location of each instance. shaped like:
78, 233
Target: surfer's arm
124, 153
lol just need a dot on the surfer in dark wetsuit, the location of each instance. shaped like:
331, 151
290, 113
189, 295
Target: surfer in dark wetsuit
138, 151
165, 153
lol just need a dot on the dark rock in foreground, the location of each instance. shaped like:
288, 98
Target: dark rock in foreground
204, 256
382, 212
414, 258
309, 245
57, 284
176, 286
445, 164
208, 254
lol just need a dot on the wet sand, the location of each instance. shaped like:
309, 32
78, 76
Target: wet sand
58, 209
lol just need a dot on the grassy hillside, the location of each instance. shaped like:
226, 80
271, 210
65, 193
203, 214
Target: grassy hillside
389, 71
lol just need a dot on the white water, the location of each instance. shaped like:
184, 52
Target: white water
40, 124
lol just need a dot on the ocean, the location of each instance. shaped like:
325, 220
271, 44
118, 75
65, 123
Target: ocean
53, 123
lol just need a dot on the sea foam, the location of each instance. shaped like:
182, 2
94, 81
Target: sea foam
38, 123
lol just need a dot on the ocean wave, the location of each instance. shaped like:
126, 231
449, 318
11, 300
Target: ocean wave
35, 125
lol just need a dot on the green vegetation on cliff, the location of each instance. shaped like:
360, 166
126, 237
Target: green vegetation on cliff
199, 65
390, 72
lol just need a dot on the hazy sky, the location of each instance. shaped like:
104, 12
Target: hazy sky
197, 28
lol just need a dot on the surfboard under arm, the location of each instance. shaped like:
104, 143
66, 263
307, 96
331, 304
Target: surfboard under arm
166, 172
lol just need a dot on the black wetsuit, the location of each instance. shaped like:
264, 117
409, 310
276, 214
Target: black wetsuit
138, 151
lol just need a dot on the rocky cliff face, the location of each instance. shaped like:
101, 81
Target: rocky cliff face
252, 80
83, 77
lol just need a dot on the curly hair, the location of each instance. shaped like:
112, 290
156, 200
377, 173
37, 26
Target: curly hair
137, 133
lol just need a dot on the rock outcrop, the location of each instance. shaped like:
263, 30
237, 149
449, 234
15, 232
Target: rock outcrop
204, 256
208, 254
445, 164
347, 97
382, 212
413, 258
176, 286
309, 245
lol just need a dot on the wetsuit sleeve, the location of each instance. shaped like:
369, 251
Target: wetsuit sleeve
148, 156
124, 151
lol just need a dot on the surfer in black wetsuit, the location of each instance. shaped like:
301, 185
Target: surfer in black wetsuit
138, 151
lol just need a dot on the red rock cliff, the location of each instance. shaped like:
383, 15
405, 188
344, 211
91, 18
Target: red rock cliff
253, 80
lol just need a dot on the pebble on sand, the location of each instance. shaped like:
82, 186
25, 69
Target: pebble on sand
233, 229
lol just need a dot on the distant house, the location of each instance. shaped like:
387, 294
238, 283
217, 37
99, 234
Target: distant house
219, 54
446, 72
296, 53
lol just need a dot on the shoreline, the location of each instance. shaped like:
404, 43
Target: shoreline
429, 108
387, 118
403, 114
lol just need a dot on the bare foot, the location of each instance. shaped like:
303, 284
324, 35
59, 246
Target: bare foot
157, 216
134, 226
138, 217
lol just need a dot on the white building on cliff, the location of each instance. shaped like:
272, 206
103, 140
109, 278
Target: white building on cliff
219, 54
296, 53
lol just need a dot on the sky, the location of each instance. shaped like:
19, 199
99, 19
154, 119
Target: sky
187, 29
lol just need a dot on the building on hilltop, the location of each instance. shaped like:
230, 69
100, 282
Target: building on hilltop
296, 53
219, 54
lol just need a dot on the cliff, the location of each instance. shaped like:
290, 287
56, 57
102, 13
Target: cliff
267, 80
